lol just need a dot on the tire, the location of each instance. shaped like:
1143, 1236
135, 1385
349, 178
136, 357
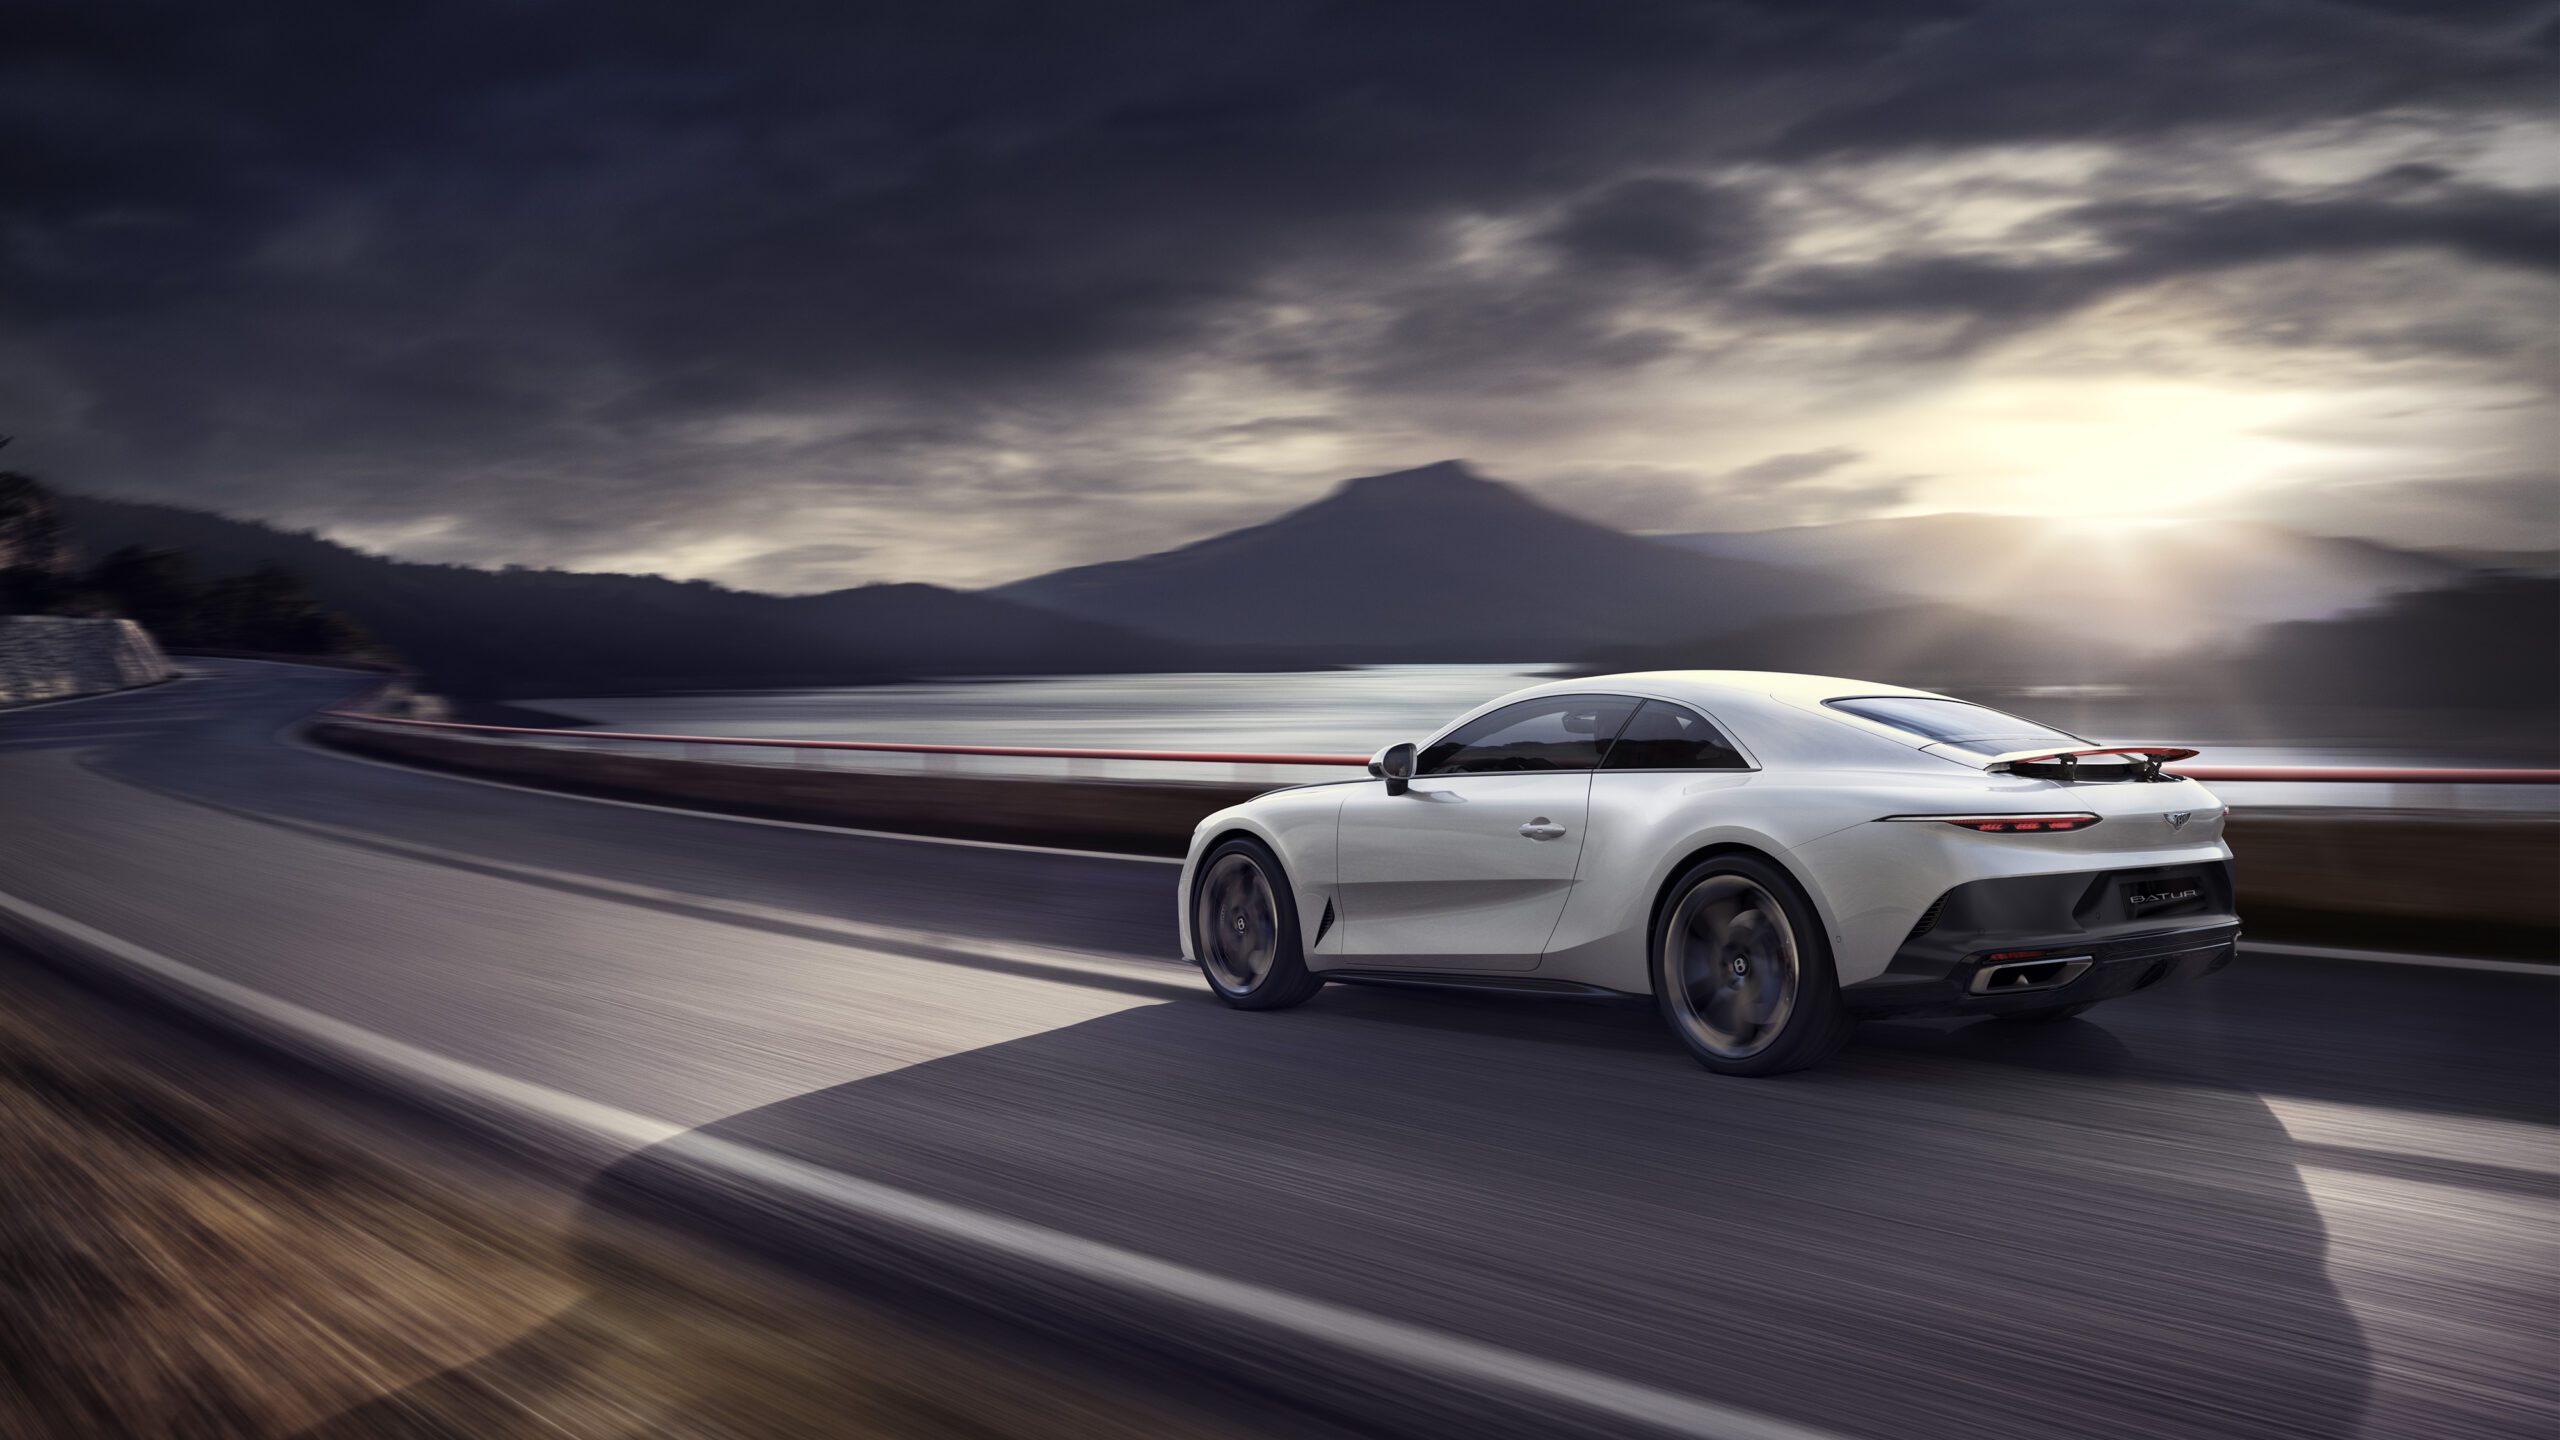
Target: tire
2047, 1015
1244, 925
1742, 970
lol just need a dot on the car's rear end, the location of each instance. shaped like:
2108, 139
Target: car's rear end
2113, 890
2031, 878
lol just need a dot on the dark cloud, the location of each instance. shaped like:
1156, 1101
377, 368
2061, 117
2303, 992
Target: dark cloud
1822, 504
2108, 70
1804, 488
1269, 426
592, 279
2143, 241
1661, 224
1790, 468
801, 568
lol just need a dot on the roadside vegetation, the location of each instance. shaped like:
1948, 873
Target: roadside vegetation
266, 609
191, 1246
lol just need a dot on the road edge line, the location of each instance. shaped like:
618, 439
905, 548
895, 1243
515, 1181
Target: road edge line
2292, 951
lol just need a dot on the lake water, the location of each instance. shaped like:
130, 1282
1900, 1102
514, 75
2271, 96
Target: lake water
1355, 710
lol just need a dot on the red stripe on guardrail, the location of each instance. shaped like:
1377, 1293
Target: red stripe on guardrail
2364, 775
2237, 774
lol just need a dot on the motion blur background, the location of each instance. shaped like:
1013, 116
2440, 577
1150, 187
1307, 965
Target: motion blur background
2196, 358
1226, 377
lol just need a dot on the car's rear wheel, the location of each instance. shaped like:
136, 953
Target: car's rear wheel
1244, 925
1743, 972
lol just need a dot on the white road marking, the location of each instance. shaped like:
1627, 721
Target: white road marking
2393, 957
443, 1078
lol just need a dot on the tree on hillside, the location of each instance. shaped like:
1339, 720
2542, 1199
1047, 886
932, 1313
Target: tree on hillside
271, 609
268, 608
32, 553
153, 587
30, 533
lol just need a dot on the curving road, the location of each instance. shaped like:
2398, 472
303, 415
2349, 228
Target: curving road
2305, 1197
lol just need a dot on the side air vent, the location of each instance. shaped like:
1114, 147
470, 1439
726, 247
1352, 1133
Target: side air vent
1928, 919
1323, 924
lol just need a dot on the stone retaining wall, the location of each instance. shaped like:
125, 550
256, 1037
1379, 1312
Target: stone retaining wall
54, 657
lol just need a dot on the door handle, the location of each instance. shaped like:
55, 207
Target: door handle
1543, 828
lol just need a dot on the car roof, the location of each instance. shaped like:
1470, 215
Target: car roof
1712, 687
1774, 715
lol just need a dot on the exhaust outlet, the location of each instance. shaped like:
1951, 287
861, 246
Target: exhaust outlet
2047, 972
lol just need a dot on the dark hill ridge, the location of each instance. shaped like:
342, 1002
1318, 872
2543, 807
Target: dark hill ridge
516, 632
1434, 564
1437, 563
2489, 644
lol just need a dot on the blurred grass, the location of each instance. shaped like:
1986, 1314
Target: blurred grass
194, 1245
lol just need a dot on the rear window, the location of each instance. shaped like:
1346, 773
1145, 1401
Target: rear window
1955, 722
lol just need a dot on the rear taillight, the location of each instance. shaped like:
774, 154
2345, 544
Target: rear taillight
2009, 824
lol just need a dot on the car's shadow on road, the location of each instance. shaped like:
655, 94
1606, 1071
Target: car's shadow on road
1968, 1230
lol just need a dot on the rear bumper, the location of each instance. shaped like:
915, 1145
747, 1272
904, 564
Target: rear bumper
2032, 943
1972, 985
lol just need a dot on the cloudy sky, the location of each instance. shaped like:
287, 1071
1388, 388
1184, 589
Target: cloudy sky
797, 296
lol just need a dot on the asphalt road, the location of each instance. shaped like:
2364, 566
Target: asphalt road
2304, 1197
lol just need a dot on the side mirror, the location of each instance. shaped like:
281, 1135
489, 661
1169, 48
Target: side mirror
1395, 766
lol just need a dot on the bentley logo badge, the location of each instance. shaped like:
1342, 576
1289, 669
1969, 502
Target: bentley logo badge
2178, 818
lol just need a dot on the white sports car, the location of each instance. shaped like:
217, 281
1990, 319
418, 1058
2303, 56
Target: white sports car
1769, 856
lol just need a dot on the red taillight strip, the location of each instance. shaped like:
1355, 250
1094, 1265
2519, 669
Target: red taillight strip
2009, 824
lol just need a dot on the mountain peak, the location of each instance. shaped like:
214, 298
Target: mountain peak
1435, 562
1440, 478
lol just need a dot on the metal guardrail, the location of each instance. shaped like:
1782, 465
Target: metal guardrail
894, 747
991, 761
2230, 774
2365, 775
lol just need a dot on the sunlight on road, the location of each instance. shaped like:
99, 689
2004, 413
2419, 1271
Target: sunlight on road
2481, 1192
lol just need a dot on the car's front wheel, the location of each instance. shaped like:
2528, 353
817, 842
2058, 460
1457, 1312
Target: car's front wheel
1244, 925
1743, 972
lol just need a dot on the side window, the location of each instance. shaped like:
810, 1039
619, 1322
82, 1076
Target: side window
1668, 737
1555, 732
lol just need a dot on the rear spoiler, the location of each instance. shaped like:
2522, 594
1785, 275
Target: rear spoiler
2146, 760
